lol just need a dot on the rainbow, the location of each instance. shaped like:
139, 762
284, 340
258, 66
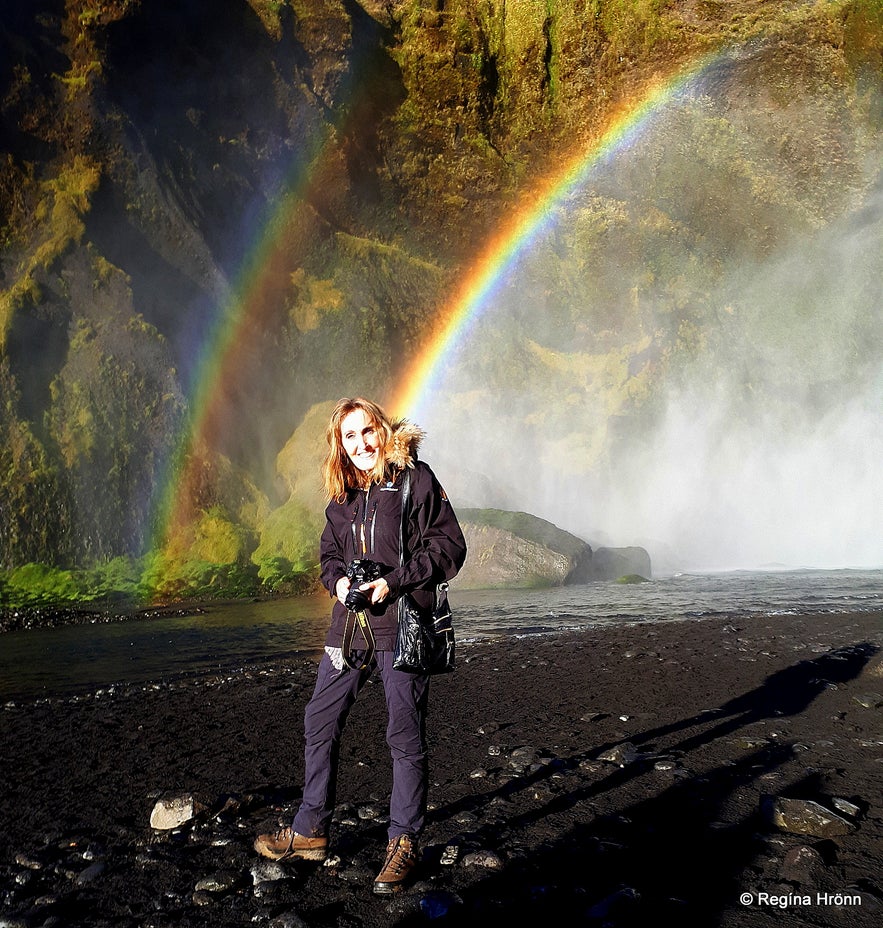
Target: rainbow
254, 292
256, 286
475, 294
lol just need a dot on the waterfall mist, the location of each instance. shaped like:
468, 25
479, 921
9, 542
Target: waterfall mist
691, 359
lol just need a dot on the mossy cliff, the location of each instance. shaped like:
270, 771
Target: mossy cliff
336, 166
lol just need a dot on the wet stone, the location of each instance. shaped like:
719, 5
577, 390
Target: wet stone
343, 811
202, 898
369, 812
288, 920
523, 757
846, 807
355, 874
805, 817
449, 855
91, 873
665, 766
869, 700
220, 882
751, 744
486, 860
622, 755
268, 871
29, 862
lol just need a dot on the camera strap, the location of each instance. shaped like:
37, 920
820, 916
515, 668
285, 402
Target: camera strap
349, 631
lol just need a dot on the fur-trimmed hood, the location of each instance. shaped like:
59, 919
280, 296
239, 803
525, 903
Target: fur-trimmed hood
405, 442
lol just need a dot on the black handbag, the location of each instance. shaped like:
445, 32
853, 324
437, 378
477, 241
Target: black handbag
425, 638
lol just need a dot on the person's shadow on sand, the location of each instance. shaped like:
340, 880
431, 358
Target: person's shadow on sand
667, 855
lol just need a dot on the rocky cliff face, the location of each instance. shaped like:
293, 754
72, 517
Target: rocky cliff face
327, 170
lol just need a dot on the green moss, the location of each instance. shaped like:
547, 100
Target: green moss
64, 200
218, 540
290, 533
526, 526
39, 584
165, 579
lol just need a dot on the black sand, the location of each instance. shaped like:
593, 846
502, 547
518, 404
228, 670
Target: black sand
721, 716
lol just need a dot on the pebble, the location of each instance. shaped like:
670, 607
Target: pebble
465, 818
665, 765
220, 882
268, 871
750, 744
449, 855
869, 700
846, 807
171, 812
31, 863
478, 774
202, 898
523, 757
91, 873
805, 817
369, 813
589, 766
489, 728
288, 920
487, 860
622, 755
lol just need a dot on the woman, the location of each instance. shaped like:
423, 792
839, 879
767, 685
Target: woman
363, 472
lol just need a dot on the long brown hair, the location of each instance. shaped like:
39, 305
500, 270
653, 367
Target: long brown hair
339, 474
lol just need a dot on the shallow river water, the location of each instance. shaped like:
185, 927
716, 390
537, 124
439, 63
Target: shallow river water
71, 659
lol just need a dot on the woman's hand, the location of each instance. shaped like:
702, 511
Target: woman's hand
379, 590
341, 588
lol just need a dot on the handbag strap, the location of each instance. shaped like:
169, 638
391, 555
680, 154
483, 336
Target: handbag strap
406, 495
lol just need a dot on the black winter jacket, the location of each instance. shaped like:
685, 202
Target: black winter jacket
434, 548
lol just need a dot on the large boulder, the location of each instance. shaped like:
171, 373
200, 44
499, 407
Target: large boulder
613, 563
517, 549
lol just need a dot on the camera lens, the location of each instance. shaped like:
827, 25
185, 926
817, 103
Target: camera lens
357, 600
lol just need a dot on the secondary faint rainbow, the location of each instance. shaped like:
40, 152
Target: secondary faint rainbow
255, 290
501, 255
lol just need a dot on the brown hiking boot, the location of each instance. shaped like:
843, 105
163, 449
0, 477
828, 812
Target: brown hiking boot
401, 858
287, 843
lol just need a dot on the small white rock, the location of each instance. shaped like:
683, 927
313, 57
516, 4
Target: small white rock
173, 811
488, 860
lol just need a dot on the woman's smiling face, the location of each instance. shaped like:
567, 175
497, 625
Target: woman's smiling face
360, 440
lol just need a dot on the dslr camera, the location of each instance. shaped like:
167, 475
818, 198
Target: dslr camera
360, 571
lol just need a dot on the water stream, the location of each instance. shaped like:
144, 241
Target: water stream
73, 659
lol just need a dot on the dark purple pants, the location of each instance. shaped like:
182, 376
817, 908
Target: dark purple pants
407, 695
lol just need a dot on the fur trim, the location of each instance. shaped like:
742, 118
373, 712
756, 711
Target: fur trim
406, 438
